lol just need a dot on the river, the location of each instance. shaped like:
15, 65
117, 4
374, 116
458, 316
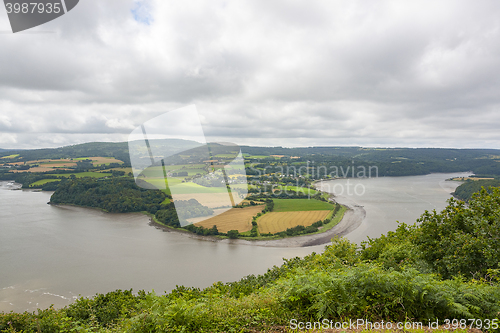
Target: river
51, 255
387, 200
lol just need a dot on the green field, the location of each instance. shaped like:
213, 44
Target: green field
297, 205
126, 170
226, 155
53, 162
11, 156
44, 181
257, 156
299, 189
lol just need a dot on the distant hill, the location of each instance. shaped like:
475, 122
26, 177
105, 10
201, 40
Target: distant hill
389, 161
118, 150
395, 161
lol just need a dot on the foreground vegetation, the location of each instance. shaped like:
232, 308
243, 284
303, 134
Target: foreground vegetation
444, 267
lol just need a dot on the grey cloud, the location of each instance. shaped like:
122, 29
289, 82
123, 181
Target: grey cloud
321, 72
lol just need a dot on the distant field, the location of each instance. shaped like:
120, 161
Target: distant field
304, 190
257, 156
44, 181
234, 219
296, 205
39, 169
274, 222
11, 156
126, 170
226, 155
46, 165
99, 160
58, 164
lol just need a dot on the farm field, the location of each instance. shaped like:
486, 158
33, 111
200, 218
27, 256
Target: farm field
99, 160
299, 189
39, 169
10, 156
54, 163
126, 170
297, 205
256, 157
44, 181
234, 219
47, 165
274, 222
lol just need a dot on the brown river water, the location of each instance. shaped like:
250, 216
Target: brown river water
51, 255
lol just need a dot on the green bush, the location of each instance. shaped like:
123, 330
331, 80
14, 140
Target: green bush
369, 291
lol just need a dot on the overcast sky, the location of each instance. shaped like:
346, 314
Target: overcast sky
288, 73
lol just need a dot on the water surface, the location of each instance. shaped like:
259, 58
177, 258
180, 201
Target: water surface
387, 200
50, 255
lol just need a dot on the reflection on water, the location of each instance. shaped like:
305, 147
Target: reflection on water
50, 255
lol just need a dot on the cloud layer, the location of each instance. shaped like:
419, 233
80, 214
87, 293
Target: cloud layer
290, 73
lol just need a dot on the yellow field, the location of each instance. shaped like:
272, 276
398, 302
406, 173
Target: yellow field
60, 164
234, 219
98, 160
274, 222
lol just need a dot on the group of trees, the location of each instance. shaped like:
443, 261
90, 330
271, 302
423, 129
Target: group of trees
117, 195
203, 231
191, 208
465, 190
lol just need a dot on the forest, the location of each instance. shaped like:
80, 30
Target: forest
467, 189
444, 267
115, 195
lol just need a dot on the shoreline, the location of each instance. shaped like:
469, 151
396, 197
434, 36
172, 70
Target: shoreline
352, 219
